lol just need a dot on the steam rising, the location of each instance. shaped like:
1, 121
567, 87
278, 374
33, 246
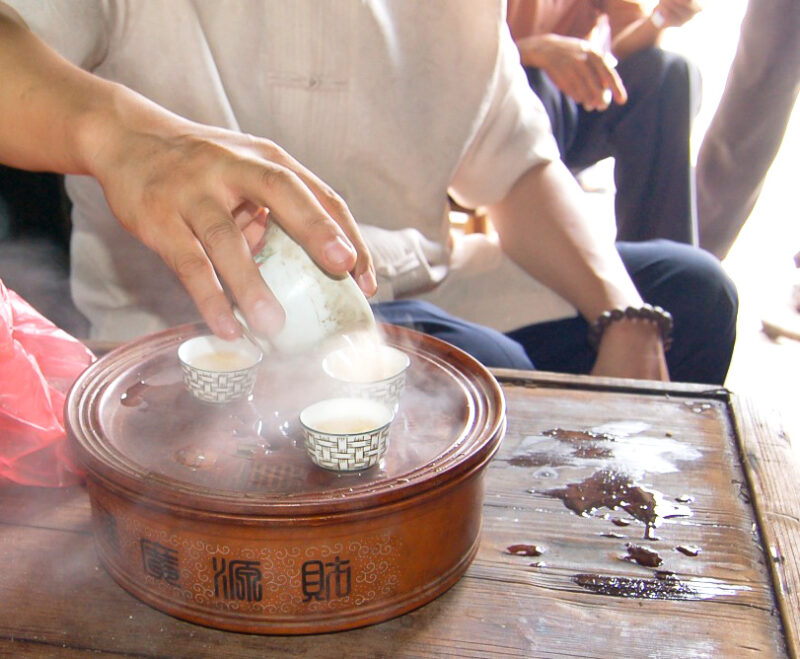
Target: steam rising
256, 445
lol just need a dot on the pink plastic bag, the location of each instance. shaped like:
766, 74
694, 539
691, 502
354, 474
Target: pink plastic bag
38, 364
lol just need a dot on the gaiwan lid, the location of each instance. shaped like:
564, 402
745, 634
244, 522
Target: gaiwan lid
135, 426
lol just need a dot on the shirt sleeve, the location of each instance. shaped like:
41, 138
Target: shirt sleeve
76, 29
513, 135
406, 262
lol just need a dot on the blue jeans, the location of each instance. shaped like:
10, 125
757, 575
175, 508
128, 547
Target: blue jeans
648, 138
688, 282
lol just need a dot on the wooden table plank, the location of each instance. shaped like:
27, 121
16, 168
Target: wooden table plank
56, 599
773, 469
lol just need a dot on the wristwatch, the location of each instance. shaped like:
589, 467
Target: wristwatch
657, 19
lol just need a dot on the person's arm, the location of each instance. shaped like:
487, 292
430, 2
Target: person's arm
646, 31
194, 194
545, 230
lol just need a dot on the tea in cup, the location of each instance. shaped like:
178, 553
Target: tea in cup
219, 371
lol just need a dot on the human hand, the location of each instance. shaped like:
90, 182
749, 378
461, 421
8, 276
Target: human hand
677, 12
200, 196
196, 195
577, 68
631, 349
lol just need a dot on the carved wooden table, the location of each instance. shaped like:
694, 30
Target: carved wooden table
620, 519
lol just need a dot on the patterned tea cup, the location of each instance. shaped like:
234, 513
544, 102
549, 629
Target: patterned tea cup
346, 434
376, 373
219, 371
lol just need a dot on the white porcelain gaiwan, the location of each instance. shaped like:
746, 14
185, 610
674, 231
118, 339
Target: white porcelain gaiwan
317, 305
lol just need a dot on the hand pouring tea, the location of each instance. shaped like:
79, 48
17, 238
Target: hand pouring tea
317, 305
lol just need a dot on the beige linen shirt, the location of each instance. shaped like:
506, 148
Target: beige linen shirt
394, 103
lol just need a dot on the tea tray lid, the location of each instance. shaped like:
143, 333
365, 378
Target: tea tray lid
135, 426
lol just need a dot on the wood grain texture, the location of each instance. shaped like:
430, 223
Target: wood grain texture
677, 440
773, 469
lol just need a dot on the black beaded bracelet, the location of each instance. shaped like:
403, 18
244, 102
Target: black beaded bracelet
647, 312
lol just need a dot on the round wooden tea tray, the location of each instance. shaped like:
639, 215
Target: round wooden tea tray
215, 514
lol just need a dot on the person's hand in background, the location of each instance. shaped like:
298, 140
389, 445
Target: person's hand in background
577, 68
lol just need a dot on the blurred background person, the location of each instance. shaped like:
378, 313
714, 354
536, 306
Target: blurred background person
638, 110
744, 136
748, 126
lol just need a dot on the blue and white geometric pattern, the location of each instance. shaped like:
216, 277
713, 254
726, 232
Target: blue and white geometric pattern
216, 386
346, 452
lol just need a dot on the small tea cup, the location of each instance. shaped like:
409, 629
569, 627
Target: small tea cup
346, 434
219, 371
377, 372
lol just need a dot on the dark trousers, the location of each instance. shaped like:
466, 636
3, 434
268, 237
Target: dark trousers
649, 138
686, 281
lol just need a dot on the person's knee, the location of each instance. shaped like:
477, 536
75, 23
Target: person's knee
714, 289
654, 60
705, 322
672, 72
682, 78
678, 64
700, 287
692, 285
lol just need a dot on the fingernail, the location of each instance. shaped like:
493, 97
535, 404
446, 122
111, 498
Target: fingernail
339, 252
268, 318
227, 326
367, 282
